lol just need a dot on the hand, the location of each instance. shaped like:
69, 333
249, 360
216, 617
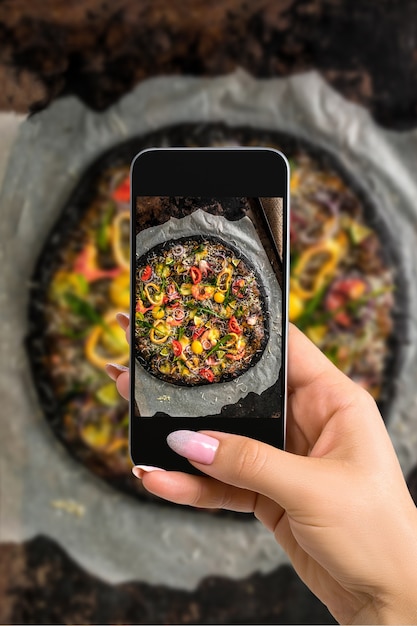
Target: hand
336, 500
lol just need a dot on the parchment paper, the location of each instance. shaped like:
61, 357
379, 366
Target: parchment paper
154, 395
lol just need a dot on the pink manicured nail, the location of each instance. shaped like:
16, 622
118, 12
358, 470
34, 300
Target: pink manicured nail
123, 320
114, 370
140, 470
194, 446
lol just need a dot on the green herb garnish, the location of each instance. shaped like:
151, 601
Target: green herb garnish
82, 308
218, 345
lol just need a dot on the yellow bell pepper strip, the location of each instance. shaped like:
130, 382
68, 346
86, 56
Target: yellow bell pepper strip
159, 333
154, 295
185, 289
95, 339
295, 306
116, 445
120, 290
294, 180
223, 280
121, 258
321, 260
96, 436
86, 264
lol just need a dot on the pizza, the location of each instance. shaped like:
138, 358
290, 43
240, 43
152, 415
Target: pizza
346, 292
200, 312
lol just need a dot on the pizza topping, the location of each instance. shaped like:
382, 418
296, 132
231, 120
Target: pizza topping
195, 275
122, 192
202, 292
146, 273
208, 313
238, 288
153, 293
159, 333
207, 374
197, 347
234, 326
177, 347
223, 280
158, 313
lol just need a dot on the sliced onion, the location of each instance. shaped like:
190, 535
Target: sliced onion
178, 250
178, 314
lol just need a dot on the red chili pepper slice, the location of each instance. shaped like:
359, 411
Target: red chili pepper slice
207, 374
234, 326
122, 192
198, 332
195, 275
177, 347
146, 273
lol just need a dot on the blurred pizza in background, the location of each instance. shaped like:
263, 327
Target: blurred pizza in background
342, 291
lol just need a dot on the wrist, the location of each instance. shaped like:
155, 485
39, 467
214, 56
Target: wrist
399, 610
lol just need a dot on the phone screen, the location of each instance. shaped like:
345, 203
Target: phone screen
208, 330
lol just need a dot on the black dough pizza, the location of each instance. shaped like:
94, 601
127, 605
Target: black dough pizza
201, 314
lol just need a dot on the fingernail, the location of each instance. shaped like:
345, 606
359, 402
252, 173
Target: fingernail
194, 446
140, 470
123, 320
114, 370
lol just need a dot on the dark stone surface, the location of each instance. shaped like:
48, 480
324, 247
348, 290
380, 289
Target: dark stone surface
47, 587
99, 50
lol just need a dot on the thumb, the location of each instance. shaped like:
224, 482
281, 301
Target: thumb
289, 479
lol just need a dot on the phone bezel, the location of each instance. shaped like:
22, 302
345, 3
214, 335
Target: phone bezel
233, 171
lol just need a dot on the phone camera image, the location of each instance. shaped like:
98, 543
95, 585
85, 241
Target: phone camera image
208, 288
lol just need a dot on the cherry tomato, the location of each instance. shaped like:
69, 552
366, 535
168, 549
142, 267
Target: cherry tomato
207, 374
122, 192
234, 326
146, 273
177, 347
195, 275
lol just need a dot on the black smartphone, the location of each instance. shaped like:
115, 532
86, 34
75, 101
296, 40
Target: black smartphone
209, 282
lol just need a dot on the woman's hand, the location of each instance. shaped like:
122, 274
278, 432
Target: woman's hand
336, 500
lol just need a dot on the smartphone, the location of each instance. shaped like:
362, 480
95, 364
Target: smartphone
209, 283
